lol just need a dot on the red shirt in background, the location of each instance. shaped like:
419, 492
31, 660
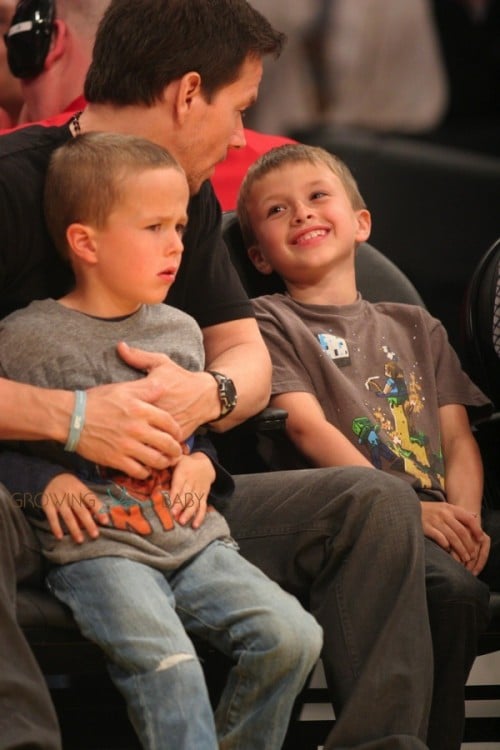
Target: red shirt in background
229, 173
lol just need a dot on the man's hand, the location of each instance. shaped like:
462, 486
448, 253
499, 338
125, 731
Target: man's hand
126, 429
68, 500
458, 531
190, 398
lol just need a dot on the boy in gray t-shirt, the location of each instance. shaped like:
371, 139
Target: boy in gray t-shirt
143, 563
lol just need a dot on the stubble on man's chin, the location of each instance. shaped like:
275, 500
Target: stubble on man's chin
196, 182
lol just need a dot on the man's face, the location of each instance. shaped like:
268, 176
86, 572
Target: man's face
10, 87
214, 127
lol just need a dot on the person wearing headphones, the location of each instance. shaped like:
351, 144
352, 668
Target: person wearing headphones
49, 46
11, 97
51, 59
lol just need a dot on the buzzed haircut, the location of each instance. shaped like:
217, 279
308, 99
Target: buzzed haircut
86, 175
142, 46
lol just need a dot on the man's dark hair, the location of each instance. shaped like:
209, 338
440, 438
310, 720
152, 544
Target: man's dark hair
143, 45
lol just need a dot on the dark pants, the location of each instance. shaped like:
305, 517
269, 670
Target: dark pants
27, 716
349, 543
458, 613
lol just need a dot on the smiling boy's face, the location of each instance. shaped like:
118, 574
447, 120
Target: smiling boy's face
304, 222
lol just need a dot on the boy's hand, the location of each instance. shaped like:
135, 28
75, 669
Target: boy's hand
191, 481
458, 531
477, 563
67, 499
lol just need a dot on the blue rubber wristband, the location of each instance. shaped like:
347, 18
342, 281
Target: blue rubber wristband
77, 421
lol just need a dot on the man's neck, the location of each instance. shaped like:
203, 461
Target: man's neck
127, 120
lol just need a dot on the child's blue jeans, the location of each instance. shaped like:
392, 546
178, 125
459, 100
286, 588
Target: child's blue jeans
140, 617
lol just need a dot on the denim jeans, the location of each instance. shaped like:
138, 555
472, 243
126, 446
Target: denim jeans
141, 618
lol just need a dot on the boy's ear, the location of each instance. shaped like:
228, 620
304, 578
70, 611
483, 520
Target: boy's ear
82, 243
261, 264
364, 225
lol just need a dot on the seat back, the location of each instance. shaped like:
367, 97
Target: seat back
432, 209
482, 324
377, 278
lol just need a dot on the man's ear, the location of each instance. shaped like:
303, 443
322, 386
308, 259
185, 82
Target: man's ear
81, 240
187, 92
364, 225
261, 264
58, 43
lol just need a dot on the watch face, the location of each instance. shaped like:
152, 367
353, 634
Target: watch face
230, 392
227, 393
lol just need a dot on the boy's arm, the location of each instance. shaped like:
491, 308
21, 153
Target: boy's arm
318, 440
456, 529
464, 478
463, 465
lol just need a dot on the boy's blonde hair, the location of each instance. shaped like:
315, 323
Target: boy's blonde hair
292, 153
86, 175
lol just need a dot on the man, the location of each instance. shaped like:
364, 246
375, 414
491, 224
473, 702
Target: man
55, 89
346, 541
51, 82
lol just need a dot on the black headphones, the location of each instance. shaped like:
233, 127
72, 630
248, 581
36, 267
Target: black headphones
29, 35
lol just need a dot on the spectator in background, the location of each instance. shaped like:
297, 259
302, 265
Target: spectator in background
469, 32
288, 97
58, 87
11, 97
229, 173
383, 67
56, 92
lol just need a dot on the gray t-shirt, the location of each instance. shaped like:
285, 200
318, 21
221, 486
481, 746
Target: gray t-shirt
380, 372
51, 346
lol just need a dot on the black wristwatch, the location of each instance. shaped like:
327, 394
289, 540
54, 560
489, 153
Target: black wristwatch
227, 394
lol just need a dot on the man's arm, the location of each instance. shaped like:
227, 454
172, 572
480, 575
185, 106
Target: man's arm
124, 428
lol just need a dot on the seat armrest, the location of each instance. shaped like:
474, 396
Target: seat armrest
270, 418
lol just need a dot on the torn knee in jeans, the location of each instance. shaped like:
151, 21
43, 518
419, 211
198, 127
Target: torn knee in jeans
172, 661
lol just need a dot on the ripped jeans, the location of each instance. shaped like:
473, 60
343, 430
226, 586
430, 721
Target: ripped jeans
141, 618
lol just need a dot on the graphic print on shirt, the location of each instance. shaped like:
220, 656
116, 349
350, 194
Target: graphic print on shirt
390, 436
129, 502
336, 348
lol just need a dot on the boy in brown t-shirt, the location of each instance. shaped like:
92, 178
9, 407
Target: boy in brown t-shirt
369, 384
